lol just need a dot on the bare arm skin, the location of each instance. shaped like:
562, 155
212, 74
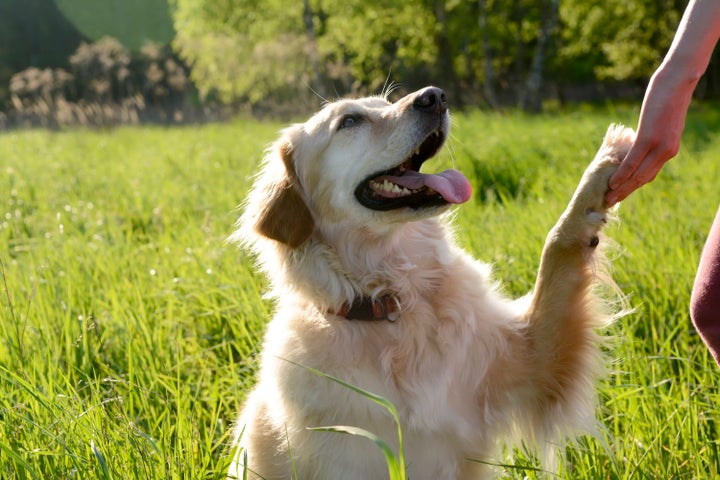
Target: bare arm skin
664, 108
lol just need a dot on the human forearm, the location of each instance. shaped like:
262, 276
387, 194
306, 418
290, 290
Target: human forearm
693, 44
662, 117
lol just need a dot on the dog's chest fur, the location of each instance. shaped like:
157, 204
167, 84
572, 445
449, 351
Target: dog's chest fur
418, 362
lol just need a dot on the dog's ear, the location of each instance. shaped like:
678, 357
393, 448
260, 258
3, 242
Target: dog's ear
285, 216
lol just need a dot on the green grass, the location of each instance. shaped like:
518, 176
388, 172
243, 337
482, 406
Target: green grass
129, 327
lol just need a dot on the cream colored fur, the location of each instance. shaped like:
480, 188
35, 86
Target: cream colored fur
468, 369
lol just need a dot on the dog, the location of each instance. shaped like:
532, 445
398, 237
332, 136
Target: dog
372, 289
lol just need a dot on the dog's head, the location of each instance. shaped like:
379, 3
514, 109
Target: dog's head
356, 163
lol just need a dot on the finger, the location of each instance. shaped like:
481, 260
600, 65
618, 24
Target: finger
621, 192
627, 167
647, 171
644, 174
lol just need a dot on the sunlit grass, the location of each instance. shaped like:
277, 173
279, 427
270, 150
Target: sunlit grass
130, 327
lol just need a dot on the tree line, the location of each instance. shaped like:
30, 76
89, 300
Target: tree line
279, 56
484, 52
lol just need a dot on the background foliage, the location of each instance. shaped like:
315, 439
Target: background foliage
277, 57
481, 51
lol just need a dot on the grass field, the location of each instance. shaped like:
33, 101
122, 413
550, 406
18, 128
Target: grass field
130, 327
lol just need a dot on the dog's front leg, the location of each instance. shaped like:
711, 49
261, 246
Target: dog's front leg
563, 312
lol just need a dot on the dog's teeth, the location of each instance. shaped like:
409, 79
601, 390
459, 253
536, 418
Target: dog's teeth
390, 187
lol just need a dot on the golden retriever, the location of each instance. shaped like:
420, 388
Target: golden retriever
372, 289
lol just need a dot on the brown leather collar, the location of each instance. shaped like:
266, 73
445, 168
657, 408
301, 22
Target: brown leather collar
385, 307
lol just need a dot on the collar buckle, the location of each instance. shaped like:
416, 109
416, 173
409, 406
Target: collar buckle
385, 307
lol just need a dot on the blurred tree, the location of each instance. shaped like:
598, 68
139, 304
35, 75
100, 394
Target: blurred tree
622, 41
382, 39
615, 39
634, 36
243, 49
505, 47
249, 50
165, 85
488, 55
530, 98
289, 53
33, 33
106, 87
309, 19
102, 70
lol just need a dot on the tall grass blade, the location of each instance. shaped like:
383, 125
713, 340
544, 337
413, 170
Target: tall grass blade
394, 469
398, 460
19, 461
100, 459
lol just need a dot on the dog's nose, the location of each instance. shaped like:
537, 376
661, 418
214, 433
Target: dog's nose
431, 100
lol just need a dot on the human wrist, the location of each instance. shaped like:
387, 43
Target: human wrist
675, 78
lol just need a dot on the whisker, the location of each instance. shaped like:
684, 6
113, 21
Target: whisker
450, 144
387, 86
324, 101
337, 94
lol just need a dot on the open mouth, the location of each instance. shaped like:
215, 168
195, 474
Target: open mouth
404, 185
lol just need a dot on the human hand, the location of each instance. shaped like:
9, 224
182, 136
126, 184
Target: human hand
641, 165
662, 121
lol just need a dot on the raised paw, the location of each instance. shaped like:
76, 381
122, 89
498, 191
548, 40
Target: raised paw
594, 184
587, 212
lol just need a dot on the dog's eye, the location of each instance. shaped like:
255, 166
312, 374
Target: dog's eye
349, 121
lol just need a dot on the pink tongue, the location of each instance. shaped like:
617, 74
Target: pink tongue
451, 184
